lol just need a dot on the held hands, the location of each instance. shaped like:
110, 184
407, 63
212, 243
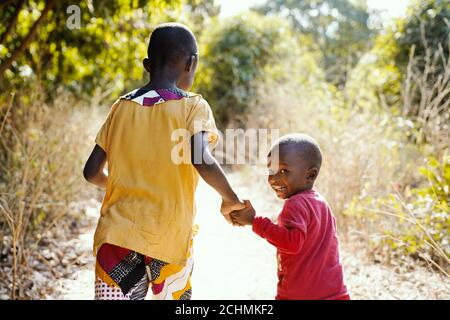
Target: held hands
229, 206
244, 216
238, 213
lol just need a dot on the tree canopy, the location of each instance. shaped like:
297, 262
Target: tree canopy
340, 30
241, 53
38, 45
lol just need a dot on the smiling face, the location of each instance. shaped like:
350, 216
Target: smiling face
289, 171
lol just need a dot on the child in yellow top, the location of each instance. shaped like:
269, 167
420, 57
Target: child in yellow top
144, 233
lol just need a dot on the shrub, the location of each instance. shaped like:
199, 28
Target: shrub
238, 54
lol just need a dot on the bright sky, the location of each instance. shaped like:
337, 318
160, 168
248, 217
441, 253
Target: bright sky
393, 8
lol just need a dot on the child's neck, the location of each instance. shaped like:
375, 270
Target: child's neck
161, 81
306, 189
160, 85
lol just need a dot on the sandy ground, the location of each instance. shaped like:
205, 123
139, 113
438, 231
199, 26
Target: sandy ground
233, 263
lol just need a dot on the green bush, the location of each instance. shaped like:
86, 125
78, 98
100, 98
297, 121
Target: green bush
240, 53
426, 26
340, 30
106, 51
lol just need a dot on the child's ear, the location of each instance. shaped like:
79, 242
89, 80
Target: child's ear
312, 174
191, 63
147, 64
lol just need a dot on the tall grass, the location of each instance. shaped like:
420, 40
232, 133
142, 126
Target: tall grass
426, 95
369, 155
364, 152
42, 152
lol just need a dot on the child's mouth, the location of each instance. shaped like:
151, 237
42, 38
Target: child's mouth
279, 188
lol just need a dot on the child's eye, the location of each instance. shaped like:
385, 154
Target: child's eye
283, 171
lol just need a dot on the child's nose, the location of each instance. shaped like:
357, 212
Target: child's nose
272, 178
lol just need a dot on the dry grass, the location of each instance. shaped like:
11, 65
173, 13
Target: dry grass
368, 152
364, 153
426, 95
43, 149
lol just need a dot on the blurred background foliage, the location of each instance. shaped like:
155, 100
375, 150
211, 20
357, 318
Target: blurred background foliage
239, 53
340, 30
375, 96
80, 59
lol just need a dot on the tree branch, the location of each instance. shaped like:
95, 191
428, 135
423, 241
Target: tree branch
27, 40
12, 21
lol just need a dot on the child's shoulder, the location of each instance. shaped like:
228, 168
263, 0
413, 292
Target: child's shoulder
305, 204
196, 97
305, 198
195, 101
146, 97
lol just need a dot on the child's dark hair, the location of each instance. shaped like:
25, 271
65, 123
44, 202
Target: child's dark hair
305, 146
169, 43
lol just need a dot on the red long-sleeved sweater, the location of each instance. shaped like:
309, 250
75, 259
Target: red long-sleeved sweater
309, 266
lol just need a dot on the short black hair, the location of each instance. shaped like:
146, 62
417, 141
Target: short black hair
169, 43
304, 145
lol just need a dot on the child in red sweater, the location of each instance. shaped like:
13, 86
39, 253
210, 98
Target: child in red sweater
309, 266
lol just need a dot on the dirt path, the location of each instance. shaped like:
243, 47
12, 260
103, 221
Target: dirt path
233, 263
225, 258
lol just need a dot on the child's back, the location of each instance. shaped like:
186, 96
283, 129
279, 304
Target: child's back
149, 198
144, 234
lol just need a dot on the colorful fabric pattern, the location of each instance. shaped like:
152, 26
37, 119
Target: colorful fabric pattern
148, 98
123, 274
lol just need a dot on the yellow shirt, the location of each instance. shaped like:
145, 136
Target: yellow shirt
149, 201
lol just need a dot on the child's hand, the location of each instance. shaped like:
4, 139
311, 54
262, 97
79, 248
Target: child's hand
245, 216
229, 206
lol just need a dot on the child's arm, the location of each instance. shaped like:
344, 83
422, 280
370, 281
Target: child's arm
212, 173
93, 169
285, 240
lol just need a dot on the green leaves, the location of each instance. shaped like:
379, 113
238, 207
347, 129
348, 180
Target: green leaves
105, 52
241, 53
340, 29
433, 15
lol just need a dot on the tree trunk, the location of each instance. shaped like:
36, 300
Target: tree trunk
12, 22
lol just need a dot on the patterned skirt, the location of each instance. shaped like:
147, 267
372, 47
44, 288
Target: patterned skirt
123, 274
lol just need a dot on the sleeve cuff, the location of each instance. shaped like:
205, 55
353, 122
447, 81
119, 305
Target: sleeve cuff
100, 144
213, 134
